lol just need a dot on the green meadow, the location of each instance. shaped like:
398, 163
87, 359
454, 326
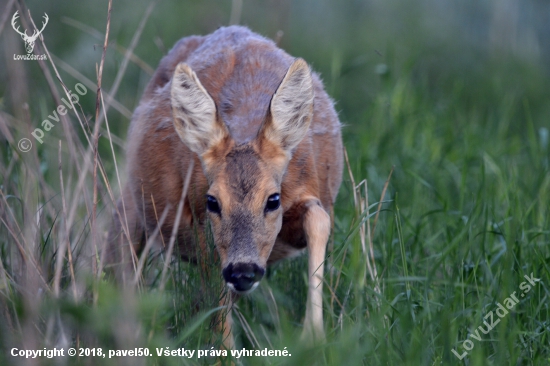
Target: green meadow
440, 250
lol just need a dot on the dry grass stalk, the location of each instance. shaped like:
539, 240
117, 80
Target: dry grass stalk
176, 225
128, 55
65, 243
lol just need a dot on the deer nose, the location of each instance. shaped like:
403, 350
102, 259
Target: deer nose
242, 276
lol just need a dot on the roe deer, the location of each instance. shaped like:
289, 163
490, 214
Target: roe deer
261, 141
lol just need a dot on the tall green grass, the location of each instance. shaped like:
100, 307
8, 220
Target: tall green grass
464, 217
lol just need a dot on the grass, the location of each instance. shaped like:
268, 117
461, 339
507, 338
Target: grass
464, 218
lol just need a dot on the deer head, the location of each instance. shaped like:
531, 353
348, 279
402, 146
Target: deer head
244, 196
29, 40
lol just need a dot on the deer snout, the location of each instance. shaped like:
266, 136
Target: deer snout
243, 277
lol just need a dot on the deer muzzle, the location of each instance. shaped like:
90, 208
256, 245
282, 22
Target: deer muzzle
243, 277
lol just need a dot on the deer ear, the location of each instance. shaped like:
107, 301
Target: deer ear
291, 108
194, 112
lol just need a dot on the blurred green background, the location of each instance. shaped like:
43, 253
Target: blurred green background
453, 94
484, 51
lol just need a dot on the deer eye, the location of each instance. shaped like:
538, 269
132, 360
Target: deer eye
212, 205
273, 202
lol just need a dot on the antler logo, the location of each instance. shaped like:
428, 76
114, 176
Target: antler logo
29, 40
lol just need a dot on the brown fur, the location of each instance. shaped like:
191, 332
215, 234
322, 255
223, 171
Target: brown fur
240, 71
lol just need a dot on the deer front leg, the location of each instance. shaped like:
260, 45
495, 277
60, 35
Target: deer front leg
226, 320
223, 321
316, 225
